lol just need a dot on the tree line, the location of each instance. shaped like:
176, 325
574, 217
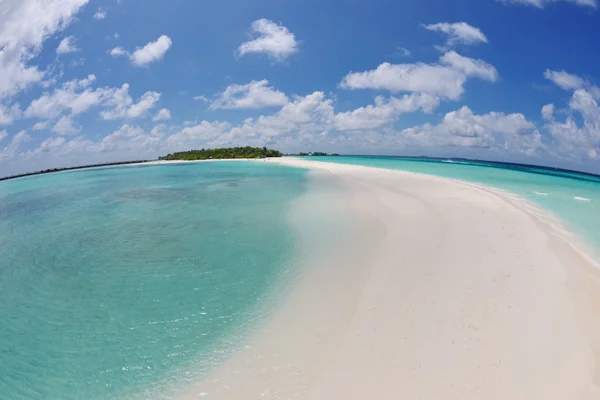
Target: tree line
223, 153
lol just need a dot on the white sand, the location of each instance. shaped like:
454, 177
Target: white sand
435, 289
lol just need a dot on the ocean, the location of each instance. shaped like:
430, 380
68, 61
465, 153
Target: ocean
128, 282
120, 283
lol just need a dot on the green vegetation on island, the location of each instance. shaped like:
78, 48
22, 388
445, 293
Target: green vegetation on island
315, 154
223, 153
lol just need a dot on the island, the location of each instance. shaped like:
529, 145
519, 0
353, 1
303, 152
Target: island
315, 154
222, 153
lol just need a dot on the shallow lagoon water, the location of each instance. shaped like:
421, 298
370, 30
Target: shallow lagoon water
119, 282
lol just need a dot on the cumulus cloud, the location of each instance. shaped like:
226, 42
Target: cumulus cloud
544, 3
3, 135
67, 45
274, 40
11, 150
162, 115
384, 112
26, 24
123, 106
9, 114
444, 79
312, 120
573, 139
118, 52
40, 126
463, 128
127, 137
191, 136
65, 126
312, 113
548, 111
76, 97
564, 79
152, 52
48, 145
459, 32
568, 81
256, 94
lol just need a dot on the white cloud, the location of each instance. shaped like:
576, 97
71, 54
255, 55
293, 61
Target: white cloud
14, 145
75, 96
459, 32
462, 128
564, 79
48, 145
9, 114
25, 25
202, 98
153, 51
65, 126
543, 3
568, 81
312, 121
384, 112
548, 112
572, 139
3, 135
307, 116
100, 14
162, 115
128, 141
470, 67
118, 51
123, 106
192, 136
40, 126
67, 45
126, 137
445, 79
256, 94
274, 40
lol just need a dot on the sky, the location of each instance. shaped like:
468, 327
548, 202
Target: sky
91, 81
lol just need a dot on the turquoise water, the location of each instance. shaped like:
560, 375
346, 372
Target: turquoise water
124, 283
571, 196
118, 282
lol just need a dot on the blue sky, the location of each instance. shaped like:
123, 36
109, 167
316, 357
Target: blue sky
84, 81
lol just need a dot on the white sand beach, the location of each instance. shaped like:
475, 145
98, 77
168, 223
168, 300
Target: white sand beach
436, 289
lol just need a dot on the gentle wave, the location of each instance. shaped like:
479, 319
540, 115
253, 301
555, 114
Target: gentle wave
541, 193
585, 199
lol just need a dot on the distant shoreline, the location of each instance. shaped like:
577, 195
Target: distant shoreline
482, 163
51, 170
